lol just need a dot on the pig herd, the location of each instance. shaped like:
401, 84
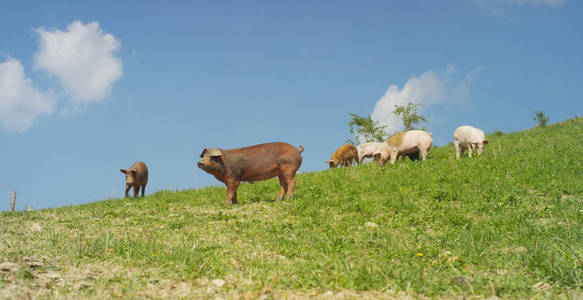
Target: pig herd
282, 160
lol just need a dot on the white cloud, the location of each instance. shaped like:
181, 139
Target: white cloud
20, 101
82, 58
429, 89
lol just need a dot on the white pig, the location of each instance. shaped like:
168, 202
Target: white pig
404, 143
367, 150
470, 138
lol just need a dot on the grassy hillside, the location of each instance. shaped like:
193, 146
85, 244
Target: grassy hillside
507, 224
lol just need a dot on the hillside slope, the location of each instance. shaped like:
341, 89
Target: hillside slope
507, 224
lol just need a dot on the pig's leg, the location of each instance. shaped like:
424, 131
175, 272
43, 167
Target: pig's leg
283, 183
291, 184
127, 190
136, 189
462, 150
143, 189
423, 153
382, 158
470, 150
457, 149
394, 155
232, 186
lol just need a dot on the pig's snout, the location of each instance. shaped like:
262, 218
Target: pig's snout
200, 164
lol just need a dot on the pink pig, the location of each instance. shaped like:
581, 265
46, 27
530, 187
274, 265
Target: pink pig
404, 143
470, 138
367, 150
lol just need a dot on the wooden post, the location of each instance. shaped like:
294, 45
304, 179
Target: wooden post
12, 200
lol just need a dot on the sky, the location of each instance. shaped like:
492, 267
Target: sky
88, 88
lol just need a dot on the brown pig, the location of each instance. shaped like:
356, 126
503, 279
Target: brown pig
136, 178
253, 163
345, 155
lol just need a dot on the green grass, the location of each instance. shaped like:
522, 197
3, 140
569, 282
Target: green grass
507, 224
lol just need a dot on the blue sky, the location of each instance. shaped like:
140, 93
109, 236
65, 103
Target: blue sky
87, 89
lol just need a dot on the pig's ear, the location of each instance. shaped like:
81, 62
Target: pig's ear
215, 152
328, 161
486, 142
212, 152
123, 171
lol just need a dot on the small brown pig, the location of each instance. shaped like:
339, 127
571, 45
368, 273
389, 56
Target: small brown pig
345, 155
258, 162
136, 178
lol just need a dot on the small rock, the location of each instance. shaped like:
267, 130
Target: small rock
8, 267
33, 263
82, 285
53, 276
460, 280
181, 290
35, 227
218, 282
371, 225
541, 286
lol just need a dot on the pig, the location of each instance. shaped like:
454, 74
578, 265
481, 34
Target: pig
253, 163
345, 155
414, 156
403, 144
470, 138
136, 178
367, 150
